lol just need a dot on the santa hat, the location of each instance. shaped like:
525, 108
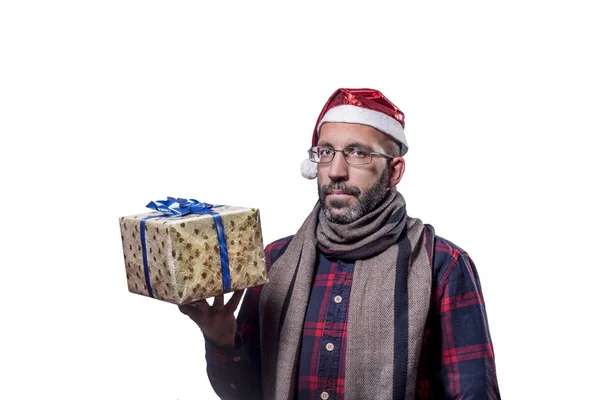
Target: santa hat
359, 106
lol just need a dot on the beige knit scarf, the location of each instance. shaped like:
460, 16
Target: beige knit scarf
389, 301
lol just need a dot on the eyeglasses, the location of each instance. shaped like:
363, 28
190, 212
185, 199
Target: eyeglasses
354, 155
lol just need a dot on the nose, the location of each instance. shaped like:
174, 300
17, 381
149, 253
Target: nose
338, 168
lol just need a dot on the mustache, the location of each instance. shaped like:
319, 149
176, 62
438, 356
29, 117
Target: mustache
339, 187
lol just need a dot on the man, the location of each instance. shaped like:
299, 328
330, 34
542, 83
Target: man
363, 302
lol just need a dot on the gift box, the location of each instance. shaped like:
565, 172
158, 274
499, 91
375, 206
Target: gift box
188, 250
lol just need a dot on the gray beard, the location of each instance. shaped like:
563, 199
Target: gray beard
365, 202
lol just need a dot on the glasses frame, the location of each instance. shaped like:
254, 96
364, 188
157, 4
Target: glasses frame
312, 151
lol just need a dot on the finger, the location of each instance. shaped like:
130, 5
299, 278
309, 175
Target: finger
202, 305
185, 309
218, 303
195, 307
191, 312
234, 301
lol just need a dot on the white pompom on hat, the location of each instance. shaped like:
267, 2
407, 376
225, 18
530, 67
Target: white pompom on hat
308, 169
359, 106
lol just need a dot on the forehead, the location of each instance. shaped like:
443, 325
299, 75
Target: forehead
341, 134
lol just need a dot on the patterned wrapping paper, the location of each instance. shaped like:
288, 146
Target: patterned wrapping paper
183, 254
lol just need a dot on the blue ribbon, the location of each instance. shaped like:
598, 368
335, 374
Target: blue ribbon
178, 207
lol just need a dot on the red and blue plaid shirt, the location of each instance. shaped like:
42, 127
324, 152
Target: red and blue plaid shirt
457, 358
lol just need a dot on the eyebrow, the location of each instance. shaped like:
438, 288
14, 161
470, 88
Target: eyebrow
353, 144
356, 144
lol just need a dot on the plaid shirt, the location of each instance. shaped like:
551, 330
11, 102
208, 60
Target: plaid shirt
457, 358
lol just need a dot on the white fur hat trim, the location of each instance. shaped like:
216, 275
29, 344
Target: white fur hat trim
366, 116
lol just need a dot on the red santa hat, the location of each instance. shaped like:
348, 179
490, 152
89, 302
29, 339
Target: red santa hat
359, 106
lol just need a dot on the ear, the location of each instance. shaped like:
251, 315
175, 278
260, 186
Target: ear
396, 171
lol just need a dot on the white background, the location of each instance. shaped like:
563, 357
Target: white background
107, 105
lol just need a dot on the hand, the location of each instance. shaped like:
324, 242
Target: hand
217, 322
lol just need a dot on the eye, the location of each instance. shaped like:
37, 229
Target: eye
357, 152
324, 151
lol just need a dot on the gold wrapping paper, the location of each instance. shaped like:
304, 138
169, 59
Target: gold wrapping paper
183, 254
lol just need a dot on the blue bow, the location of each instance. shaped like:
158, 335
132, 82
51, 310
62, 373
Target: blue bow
178, 207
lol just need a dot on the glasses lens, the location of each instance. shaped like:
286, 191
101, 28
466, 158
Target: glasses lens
357, 155
321, 154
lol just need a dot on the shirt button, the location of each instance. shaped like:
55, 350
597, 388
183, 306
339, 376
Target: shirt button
329, 347
237, 358
324, 395
337, 299
232, 386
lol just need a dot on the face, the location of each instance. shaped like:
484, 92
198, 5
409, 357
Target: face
347, 192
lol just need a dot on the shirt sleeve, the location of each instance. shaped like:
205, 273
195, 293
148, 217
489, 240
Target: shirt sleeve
468, 369
235, 373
